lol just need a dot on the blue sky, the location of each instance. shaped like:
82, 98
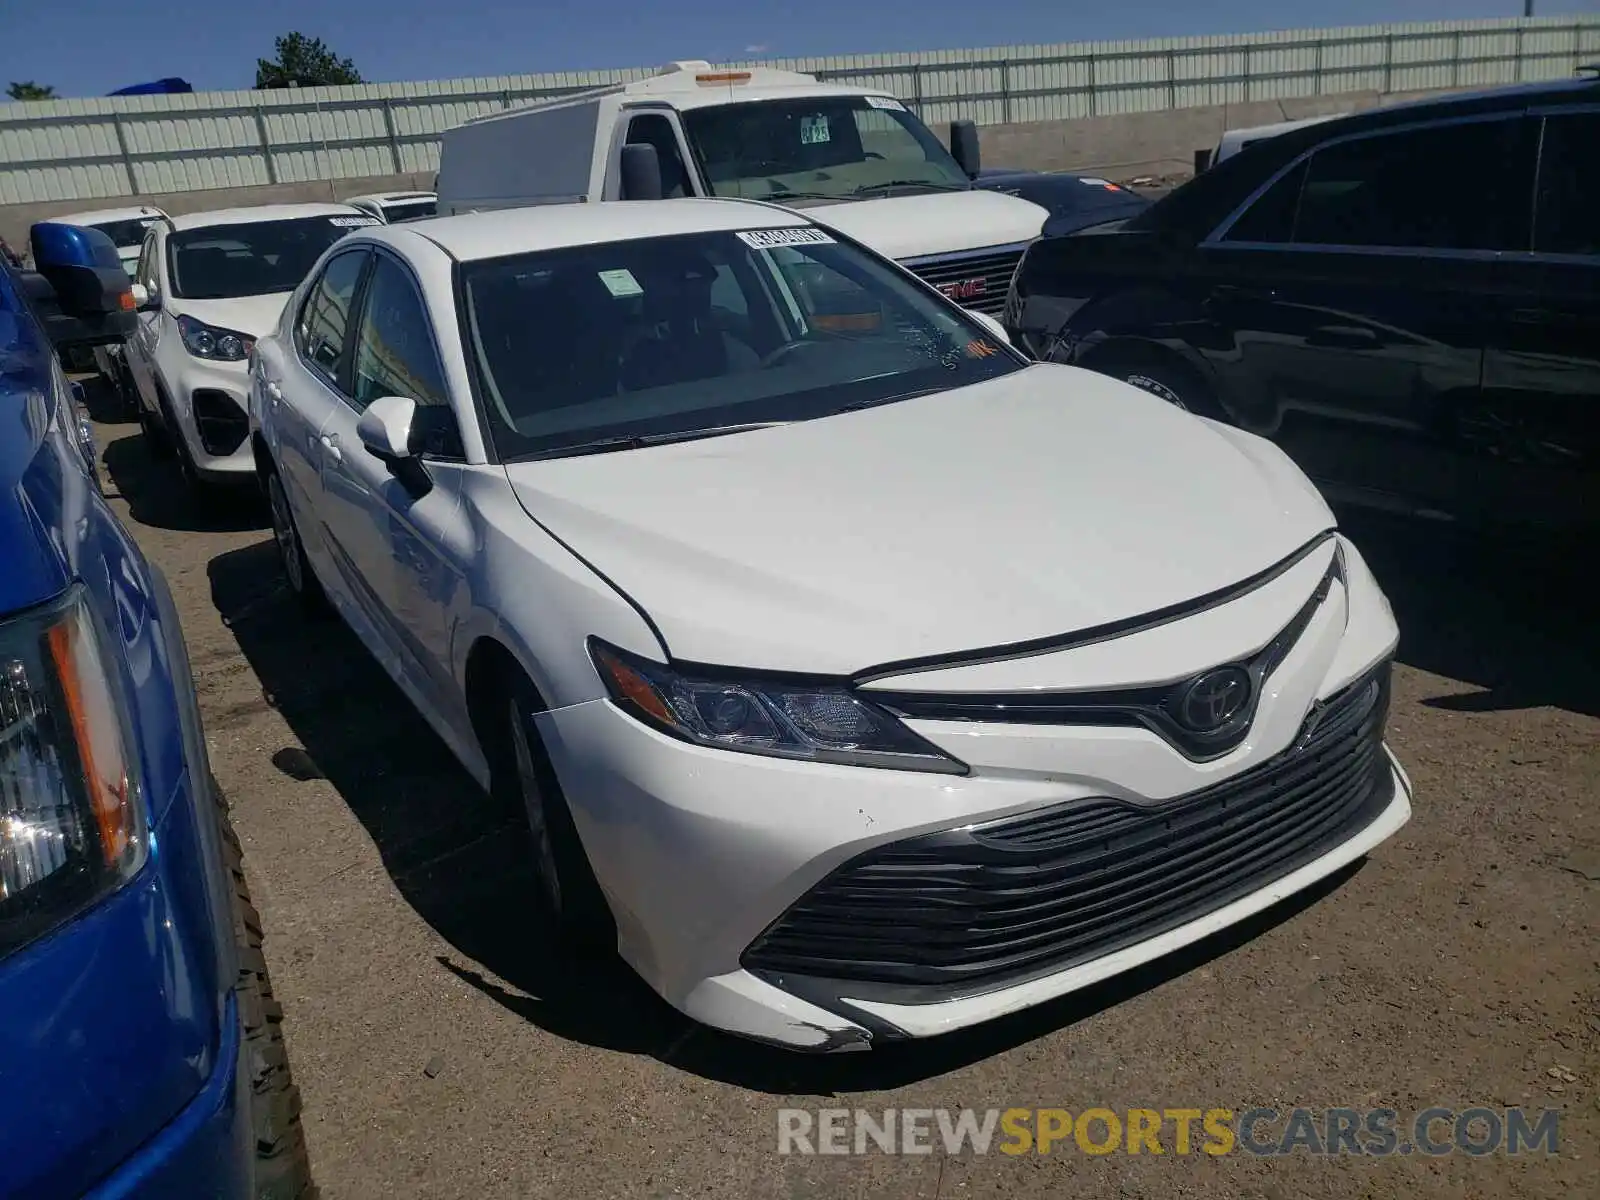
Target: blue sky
89, 47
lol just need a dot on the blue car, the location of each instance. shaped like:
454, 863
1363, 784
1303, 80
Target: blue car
141, 1052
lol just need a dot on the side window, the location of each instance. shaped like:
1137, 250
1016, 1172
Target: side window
653, 129
1271, 218
394, 349
1460, 186
320, 332
1567, 220
145, 273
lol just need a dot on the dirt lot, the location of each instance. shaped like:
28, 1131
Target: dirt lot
444, 1051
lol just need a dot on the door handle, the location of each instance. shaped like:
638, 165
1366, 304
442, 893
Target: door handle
331, 445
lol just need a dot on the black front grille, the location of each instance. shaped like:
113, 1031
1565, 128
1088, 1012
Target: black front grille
977, 281
967, 910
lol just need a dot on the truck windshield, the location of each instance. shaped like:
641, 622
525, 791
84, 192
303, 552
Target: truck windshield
252, 258
827, 147
603, 346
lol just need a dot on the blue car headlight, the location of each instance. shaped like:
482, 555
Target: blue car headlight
212, 342
72, 824
822, 721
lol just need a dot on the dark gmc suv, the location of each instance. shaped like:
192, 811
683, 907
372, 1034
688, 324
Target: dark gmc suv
1407, 300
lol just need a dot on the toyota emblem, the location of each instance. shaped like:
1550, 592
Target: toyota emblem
1214, 699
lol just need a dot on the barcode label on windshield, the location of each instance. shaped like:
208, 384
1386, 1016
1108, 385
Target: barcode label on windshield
766, 239
351, 222
888, 102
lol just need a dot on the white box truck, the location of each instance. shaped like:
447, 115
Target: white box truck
877, 172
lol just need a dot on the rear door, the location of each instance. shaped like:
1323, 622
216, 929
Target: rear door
1536, 434
1358, 338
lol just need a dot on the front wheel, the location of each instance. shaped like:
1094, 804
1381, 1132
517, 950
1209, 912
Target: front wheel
568, 890
1177, 385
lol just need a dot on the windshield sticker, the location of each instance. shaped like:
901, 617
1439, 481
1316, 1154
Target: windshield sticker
621, 283
814, 130
352, 222
767, 239
979, 348
888, 102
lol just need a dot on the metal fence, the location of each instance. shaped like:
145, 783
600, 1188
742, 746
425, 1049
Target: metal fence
143, 145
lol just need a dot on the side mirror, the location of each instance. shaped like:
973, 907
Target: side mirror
992, 324
964, 147
81, 291
385, 428
144, 300
641, 173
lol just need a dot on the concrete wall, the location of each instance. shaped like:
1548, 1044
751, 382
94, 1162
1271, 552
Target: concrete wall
1123, 147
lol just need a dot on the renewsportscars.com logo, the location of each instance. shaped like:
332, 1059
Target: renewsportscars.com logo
1374, 1132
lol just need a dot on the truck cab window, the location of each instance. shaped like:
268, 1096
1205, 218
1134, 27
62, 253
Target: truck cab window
1568, 216
653, 129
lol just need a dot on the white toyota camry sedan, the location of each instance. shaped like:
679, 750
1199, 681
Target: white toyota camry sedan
860, 679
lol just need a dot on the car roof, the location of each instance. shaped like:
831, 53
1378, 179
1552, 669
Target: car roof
261, 212
101, 216
505, 231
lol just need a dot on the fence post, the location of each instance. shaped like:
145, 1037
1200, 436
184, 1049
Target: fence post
1245, 76
1388, 63
266, 146
1172, 79
1455, 62
1005, 91
916, 89
394, 140
1316, 75
127, 159
1093, 85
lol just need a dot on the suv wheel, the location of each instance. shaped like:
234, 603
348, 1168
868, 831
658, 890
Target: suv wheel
1172, 382
282, 1169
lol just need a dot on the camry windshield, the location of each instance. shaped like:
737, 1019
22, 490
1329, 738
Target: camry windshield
828, 147
602, 347
251, 259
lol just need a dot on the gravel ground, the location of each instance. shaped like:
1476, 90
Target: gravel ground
443, 1050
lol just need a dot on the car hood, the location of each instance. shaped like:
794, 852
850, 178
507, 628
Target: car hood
1042, 503
253, 315
902, 227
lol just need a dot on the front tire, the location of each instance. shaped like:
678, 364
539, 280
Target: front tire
525, 780
1178, 385
297, 570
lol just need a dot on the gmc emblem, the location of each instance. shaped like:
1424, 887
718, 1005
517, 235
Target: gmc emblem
965, 289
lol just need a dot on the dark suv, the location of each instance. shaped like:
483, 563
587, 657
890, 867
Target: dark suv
1407, 300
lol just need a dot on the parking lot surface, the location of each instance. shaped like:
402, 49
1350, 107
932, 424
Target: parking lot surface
444, 1050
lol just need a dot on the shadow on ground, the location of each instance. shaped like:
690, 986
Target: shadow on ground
1515, 619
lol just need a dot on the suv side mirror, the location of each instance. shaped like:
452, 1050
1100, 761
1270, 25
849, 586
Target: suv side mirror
641, 173
80, 289
964, 147
144, 300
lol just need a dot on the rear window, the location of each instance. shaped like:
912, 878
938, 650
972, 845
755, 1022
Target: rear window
397, 211
124, 234
253, 258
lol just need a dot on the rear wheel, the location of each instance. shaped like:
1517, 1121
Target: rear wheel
282, 1170
524, 780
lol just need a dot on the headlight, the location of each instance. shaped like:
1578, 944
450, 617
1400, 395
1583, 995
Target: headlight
823, 722
208, 341
72, 826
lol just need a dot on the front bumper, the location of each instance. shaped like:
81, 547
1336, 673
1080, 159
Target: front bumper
210, 402
205, 1150
704, 853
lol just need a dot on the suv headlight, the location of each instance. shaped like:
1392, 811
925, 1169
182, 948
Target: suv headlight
209, 341
72, 825
822, 721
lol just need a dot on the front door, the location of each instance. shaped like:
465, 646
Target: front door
404, 551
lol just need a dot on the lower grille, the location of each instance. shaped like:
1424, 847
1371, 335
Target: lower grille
219, 420
965, 911
978, 280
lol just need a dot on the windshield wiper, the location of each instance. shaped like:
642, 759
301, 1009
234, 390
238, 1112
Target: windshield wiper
788, 195
895, 184
637, 441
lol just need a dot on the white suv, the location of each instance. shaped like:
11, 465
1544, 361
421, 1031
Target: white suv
208, 284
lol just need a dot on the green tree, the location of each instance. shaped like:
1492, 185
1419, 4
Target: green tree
29, 90
304, 62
